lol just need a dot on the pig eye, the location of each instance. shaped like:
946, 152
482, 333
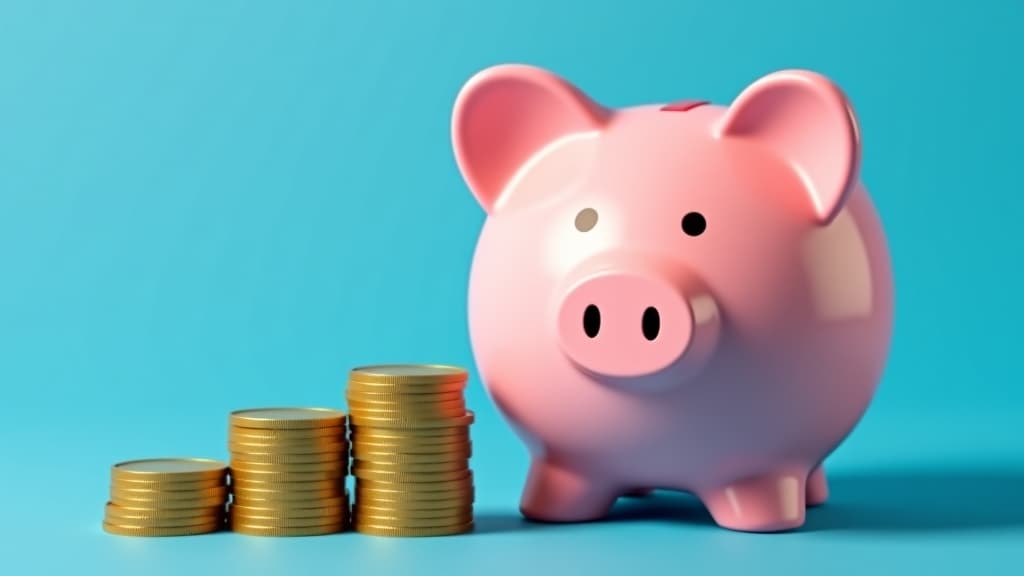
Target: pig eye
694, 224
586, 219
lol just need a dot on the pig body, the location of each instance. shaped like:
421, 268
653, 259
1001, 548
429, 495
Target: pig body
692, 297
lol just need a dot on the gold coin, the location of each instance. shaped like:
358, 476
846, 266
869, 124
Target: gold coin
400, 422
423, 436
339, 466
458, 406
271, 530
292, 445
303, 450
289, 518
391, 415
460, 517
405, 487
410, 448
407, 387
136, 530
390, 485
334, 501
274, 458
287, 437
166, 522
150, 495
236, 519
410, 478
170, 470
411, 467
394, 401
287, 418
412, 506
304, 503
331, 469
287, 461
375, 510
136, 503
163, 484
399, 398
275, 484
245, 475
449, 501
115, 511
402, 493
411, 452
398, 459
385, 530
409, 393
277, 513
411, 416
400, 451
420, 500
409, 374
299, 496
436, 435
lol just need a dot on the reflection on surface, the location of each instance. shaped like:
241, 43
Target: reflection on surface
923, 500
882, 501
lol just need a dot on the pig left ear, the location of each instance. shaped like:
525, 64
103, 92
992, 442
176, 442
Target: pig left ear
805, 119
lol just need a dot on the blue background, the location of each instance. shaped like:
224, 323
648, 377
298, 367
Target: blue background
207, 206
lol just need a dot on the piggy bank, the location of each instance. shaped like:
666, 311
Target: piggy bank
685, 296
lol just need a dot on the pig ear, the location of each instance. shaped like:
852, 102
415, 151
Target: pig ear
506, 114
808, 122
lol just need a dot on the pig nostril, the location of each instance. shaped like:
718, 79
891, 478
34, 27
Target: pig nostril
592, 321
651, 323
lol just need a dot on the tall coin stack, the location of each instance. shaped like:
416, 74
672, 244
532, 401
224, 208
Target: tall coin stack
288, 469
411, 449
166, 497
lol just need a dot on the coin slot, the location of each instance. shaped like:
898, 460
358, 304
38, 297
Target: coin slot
683, 105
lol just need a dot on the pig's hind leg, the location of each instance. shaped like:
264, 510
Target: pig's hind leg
817, 486
767, 503
558, 494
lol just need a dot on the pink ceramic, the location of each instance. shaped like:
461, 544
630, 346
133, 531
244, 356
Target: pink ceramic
690, 296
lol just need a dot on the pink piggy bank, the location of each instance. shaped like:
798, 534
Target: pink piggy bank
688, 297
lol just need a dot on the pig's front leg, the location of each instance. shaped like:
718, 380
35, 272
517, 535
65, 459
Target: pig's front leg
558, 494
817, 487
769, 503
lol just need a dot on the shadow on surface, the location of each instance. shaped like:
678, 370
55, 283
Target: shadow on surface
660, 506
922, 501
881, 501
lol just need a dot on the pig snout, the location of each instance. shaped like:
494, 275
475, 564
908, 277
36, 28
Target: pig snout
627, 324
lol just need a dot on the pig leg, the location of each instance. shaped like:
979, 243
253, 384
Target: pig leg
557, 494
817, 487
769, 503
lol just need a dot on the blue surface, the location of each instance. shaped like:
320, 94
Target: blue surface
207, 206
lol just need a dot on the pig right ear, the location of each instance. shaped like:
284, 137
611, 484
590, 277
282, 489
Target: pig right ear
506, 114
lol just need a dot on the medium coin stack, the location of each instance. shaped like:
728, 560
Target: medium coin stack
411, 449
166, 497
288, 469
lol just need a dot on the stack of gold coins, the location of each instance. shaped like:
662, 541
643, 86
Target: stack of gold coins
410, 448
167, 497
288, 469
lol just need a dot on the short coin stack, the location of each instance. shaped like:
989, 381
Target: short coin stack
411, 449
167, 497
288, 469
